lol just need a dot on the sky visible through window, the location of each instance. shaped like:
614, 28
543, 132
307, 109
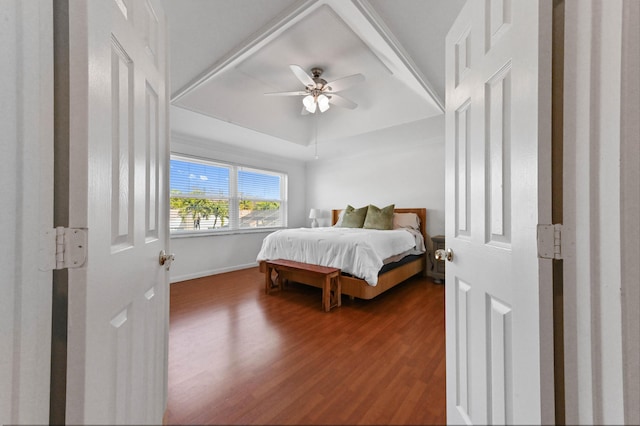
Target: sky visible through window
187, 177
258, 185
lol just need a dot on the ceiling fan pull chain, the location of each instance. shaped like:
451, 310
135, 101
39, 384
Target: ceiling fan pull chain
317, 118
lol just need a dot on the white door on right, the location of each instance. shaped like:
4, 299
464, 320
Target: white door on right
498, 170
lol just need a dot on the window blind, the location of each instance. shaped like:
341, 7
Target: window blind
208, 195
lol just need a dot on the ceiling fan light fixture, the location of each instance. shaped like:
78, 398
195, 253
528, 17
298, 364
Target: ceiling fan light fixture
309, 103
323, 103
316, 87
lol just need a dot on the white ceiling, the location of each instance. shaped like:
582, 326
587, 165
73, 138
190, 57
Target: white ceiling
225, 54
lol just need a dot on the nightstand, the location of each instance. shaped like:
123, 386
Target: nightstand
438, 265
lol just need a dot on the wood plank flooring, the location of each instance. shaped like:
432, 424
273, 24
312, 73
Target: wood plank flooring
238, 356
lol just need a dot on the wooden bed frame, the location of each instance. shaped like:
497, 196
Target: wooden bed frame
356, 287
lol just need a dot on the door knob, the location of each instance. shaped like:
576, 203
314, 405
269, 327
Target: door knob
442, 255
166, 259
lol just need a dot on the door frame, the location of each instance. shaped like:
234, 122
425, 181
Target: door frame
601, 211
26, 215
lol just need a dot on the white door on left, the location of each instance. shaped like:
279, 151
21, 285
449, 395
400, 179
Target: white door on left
118, 303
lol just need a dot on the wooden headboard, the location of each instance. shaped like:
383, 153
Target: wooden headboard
421, 212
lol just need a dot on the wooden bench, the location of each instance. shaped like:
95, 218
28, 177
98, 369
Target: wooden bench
324, 277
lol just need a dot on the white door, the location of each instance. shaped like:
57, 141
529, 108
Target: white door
118, 302
498, 152
26, 211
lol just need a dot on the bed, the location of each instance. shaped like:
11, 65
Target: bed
390, 275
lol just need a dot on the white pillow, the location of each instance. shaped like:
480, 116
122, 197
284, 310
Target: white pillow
340, 217
406, 220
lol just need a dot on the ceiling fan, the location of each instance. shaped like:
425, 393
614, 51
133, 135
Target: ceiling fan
318, 93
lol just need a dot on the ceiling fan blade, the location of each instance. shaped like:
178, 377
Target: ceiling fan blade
345, 82
302, 75
304, 111
341, 101
296, 93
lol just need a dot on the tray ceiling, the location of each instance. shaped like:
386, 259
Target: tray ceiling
226, 54
343, 38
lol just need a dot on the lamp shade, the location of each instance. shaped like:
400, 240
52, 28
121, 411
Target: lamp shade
313, 214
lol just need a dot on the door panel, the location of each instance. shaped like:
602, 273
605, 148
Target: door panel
122, 145
118, 303
462, 150
493, 204
462, 348
499, 340
497, 110
152, 159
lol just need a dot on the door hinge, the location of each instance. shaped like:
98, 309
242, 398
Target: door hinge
62, 248
550, 241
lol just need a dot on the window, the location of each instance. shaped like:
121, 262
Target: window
209, 196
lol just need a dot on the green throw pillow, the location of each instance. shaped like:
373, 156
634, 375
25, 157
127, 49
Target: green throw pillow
354, 218
378, 218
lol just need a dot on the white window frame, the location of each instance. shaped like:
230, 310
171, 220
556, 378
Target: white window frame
234, 198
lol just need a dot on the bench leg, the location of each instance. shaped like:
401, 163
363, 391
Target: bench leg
326, 294
338, 291
331, 292
269, 283
267, 279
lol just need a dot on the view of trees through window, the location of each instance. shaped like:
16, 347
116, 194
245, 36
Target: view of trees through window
216, 196
198, 212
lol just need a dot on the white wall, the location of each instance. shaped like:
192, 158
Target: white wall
407, 173
198, 256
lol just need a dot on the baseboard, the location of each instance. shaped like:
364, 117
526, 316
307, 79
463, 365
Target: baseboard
201, 274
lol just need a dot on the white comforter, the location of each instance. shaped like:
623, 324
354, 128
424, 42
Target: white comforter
359, 252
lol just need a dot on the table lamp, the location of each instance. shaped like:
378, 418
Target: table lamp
313, 214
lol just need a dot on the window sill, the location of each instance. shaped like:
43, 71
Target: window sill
207, 233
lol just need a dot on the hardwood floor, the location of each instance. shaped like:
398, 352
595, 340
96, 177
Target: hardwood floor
238, 356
